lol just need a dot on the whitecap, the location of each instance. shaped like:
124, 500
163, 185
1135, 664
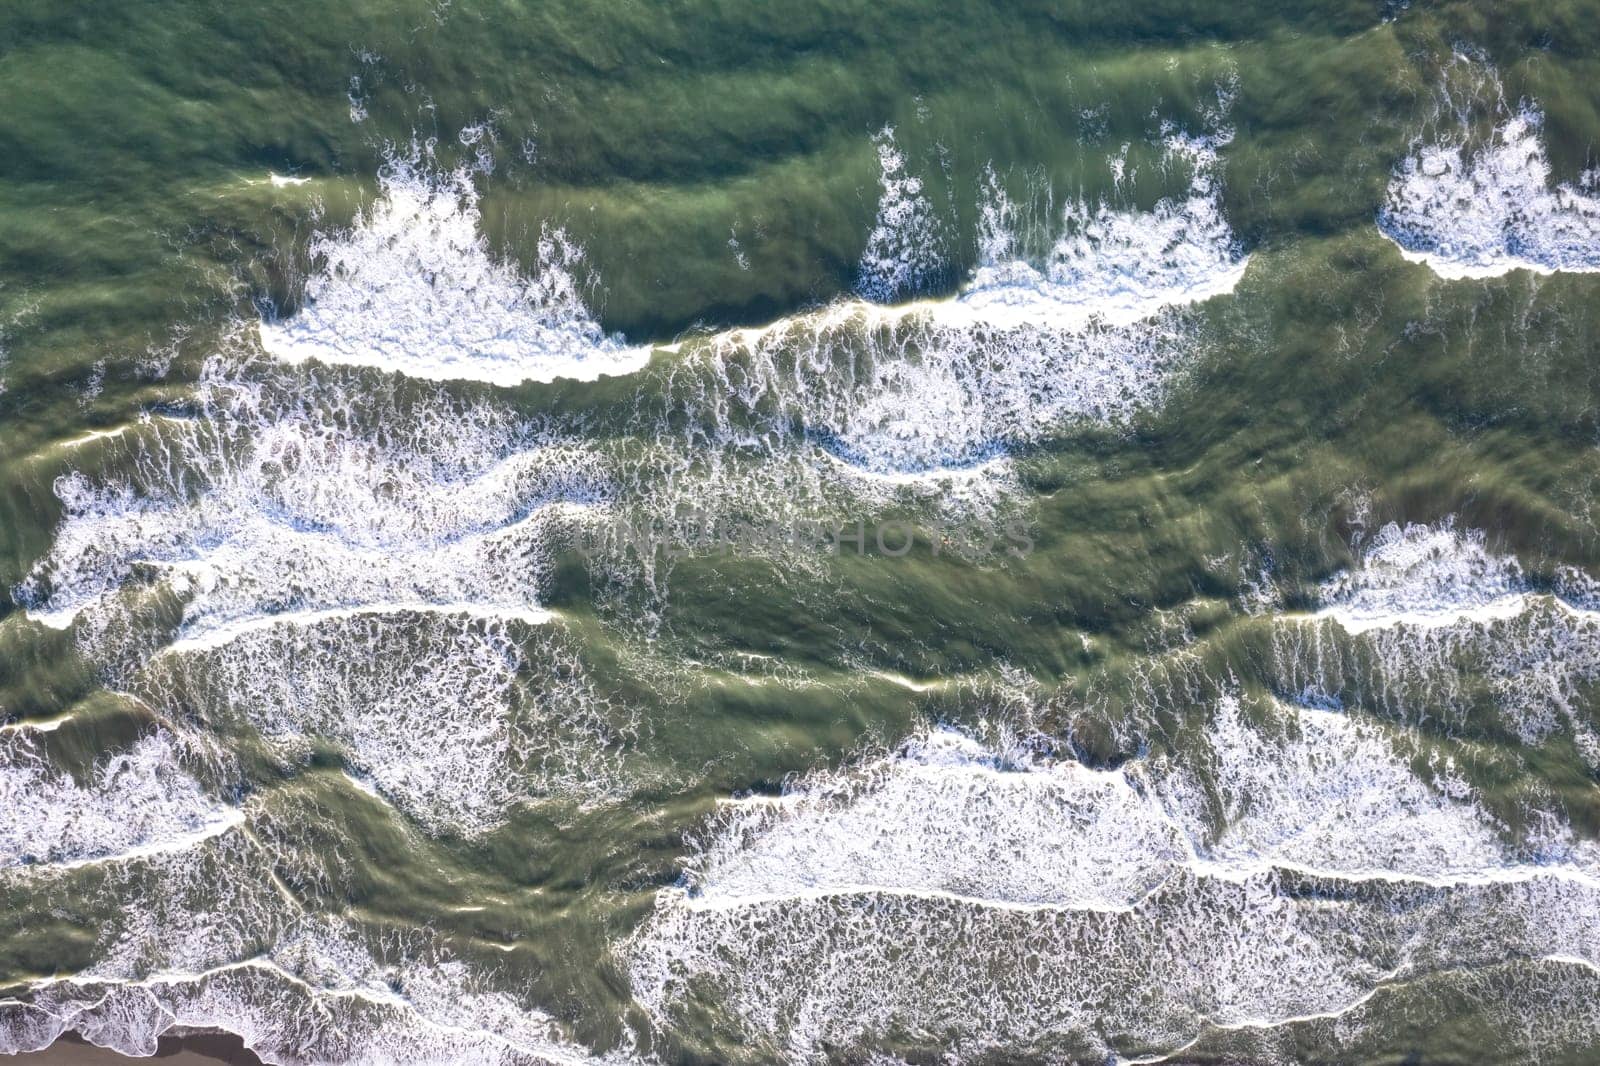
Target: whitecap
1481, 210
1432, 624
1112, 265
905, 248
412, 287
1426, 576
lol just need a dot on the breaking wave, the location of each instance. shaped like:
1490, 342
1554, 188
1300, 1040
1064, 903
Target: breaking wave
1424, 576
1114, 265
1477, 207
412, 287
940, 389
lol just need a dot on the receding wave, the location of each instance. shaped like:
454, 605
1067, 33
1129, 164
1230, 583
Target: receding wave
136, 802
844, 915
1433, 625
302, 494
206, 939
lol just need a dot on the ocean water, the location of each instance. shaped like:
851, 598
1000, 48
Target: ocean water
851, 533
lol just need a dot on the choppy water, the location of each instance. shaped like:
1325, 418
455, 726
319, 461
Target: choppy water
857, 533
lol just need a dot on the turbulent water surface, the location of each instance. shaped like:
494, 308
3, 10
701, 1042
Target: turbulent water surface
816, 533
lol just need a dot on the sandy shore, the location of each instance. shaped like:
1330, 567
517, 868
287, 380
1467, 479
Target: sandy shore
198, 1049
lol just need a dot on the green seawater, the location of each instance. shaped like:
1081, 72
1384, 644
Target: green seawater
707, 532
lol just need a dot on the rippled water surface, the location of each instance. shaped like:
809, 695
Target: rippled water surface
812, 533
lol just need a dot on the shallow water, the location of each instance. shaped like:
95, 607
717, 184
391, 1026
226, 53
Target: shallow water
881, 533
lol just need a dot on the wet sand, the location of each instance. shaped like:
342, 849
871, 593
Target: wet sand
197, 1049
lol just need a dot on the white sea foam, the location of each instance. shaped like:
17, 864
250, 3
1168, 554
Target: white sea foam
222, 635
212, 936
428, 709
1424, 576
935, 391
945, 816
1324, 792
284, 1014
348, 563
135, 803
412, 287
1480, 210
296, 497
849, 912
206, 942
1442, 624
905, 249
1111, 264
